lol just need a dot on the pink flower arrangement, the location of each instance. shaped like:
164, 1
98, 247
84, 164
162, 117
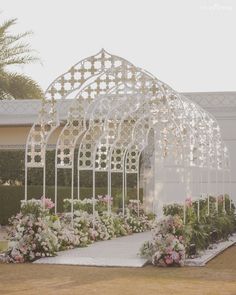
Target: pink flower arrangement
35, 232
104, 198
47, 203
168, 260
220, 199
31, 235
107, 199
188, 202
167, 245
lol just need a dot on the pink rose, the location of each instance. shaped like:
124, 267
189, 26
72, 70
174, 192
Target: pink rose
168, 260
107, 198
19, 258
169, 250
188, 202
48, 203
175, 256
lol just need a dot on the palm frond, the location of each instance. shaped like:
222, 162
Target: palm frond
14, 50
18, 86
6, 25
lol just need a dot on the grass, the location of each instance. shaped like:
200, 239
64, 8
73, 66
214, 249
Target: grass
217, 278
3, 245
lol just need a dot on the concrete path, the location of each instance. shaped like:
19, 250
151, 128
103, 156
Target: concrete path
116, 252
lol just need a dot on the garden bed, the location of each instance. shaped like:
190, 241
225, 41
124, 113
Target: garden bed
36, 232
209, 223
205, 256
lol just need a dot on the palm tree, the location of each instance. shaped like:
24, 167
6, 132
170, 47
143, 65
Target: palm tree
14, 52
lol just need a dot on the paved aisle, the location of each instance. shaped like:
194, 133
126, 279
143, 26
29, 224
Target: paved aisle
116, 252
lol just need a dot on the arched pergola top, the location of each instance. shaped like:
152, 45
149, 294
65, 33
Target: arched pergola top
113, 108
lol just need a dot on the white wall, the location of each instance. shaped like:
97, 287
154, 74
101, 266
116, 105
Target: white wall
223, 107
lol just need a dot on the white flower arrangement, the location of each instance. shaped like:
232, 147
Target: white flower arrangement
36, 232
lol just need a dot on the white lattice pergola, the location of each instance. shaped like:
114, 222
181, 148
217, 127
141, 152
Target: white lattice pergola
118, 115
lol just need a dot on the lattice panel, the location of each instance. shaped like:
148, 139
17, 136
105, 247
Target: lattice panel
60, 89
168, 143
67, 141
36, 148
139, 141
81, 72
127, 80
116, 109
127, 123
108, 138
124, 75
87, 145
144, 85
120, 146
132, 160
148, 88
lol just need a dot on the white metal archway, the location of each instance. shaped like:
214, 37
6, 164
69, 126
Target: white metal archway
114, 105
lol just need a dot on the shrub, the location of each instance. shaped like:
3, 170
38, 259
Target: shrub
197, 234
12, 170
173, 209
100, 202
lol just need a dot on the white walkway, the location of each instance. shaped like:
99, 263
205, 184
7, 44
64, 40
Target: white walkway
116, 252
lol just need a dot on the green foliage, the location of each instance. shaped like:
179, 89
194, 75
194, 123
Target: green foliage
79, 205
120, 227
12, 166
173, 209
12, 170
15, 51
197, 234
221, 223
151, 216
85, 204
11, 196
